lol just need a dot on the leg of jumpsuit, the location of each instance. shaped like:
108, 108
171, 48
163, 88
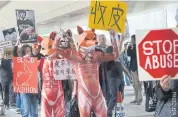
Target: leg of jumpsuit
84, 106
58, 108
100, 110
46, 109
6, 94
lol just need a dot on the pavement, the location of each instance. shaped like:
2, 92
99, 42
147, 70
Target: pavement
131, 110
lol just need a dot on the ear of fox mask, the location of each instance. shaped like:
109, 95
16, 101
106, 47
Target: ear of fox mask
69, 33
80, 30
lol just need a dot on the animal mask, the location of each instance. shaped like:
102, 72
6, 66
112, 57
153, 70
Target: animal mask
86, 38
64, 38
46, 47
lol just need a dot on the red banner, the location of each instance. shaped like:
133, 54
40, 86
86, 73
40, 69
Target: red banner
25, 78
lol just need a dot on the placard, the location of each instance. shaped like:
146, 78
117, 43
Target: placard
63, 70
26, 25
5, 44
107, 14
7, 53
157, 53
10, 34
25, 75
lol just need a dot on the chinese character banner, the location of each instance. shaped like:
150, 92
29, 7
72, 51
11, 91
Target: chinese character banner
63, 70
104, 15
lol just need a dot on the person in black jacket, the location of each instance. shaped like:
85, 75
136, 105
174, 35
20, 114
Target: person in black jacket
167, 95
6, 79
137, 85
115, 83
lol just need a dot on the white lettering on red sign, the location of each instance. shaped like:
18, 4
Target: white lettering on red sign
167, 59
25, 89
25, 60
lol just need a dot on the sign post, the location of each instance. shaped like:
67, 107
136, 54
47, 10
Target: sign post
157, 53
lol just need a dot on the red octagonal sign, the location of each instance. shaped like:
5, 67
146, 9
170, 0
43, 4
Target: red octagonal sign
158, 53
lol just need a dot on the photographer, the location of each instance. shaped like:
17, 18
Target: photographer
137, 85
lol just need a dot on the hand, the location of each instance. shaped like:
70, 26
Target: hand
27, 57
112, 33
74, 94
130, 76
165, 83
18, 41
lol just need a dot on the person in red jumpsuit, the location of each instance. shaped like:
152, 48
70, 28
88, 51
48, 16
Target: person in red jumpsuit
85, 63
52, 102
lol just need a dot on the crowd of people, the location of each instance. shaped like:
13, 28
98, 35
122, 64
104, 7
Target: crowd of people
113, 74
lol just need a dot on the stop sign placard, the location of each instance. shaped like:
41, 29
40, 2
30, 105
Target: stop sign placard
157, 53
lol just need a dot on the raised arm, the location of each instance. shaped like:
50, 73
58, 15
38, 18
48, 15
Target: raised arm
15, 49
114, 55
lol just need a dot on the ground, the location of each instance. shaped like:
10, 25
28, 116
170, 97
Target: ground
131, 110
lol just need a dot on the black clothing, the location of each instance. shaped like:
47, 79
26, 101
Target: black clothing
132, 53
167, 105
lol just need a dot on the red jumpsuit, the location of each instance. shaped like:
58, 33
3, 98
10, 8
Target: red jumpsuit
52, 92
90, 96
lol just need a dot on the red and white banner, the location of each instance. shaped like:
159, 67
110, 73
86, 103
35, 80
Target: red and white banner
157, 53
25, 78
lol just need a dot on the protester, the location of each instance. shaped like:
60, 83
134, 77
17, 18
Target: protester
36, 53
28, 101
125, 61
6, 78
166, 92
115, 82
137, 85
16, 53
103, 68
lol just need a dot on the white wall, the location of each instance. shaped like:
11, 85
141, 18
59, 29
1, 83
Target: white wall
44, 10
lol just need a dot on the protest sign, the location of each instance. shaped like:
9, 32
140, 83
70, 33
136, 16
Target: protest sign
10, 34
25, 73
26, 25
107, 14
5, 44
7, 53
63, 70
157, 53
